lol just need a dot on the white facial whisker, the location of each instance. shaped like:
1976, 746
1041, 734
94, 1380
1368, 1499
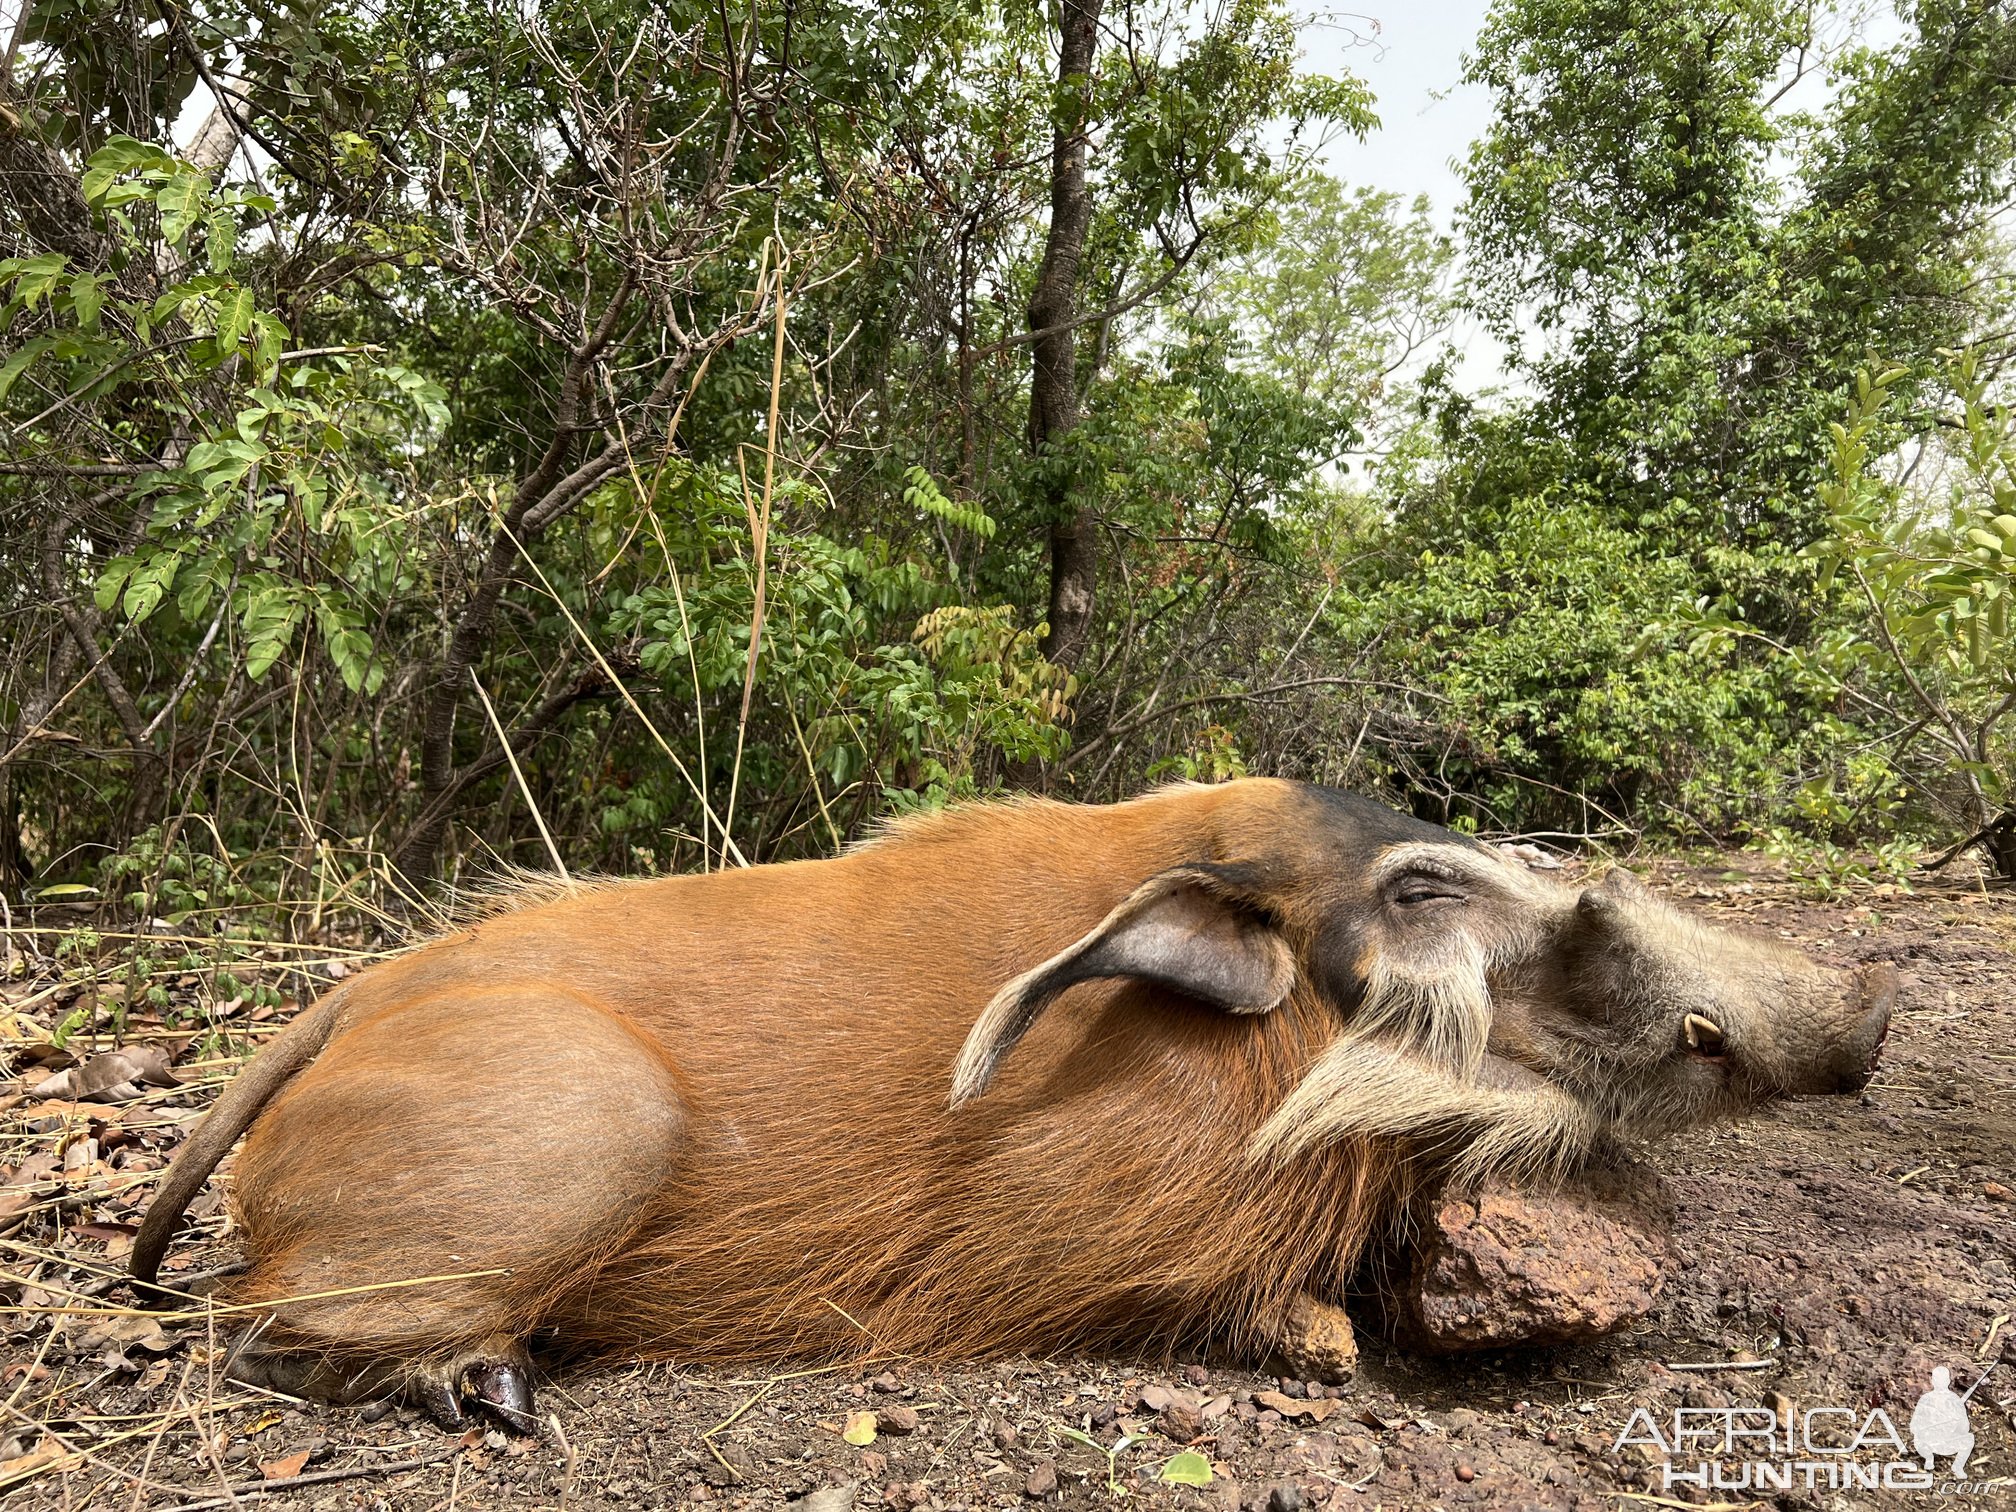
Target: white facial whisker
1360, 1086
1440, 1009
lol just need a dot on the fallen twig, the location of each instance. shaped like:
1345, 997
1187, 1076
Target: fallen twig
263, 1488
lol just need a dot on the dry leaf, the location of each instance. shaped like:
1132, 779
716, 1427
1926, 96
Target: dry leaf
284, 1469
1294, 1407
129, 1333
35, 1459
116, 1237
110, 1077
19, 1029
17, 1189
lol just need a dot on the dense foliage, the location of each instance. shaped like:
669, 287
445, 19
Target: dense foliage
646, 437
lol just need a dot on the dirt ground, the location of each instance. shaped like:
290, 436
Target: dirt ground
1834, 1252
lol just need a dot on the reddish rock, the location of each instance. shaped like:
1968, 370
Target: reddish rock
1317, 1342
898, 1420
1042, 1480
1504, 1267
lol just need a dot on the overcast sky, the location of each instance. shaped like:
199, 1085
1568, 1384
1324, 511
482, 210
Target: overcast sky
1412, 56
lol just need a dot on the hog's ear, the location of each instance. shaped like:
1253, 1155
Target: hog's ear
1188, 930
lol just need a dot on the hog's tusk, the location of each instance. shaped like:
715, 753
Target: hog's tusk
1704, 1035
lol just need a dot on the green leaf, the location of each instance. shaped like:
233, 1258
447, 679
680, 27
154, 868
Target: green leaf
1187, 1469
19, 363
122, 154
271, 609
181, 203
113, 579
149, 583
234, 317
268, 343
220, 239
87, 298
33, 277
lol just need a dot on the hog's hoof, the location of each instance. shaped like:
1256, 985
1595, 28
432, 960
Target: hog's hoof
1316, 1342
502, 1388
1501, 1268
491, 1383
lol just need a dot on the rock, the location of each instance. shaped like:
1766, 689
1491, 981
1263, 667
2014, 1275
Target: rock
1994, 1191
905, 1496
1182, 1421
897, 1419
885, 1383
1503, 1267
1317, 1342
1285, 1497
1042, 1480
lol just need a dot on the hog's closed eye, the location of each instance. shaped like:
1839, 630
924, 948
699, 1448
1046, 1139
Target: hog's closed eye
1425, 892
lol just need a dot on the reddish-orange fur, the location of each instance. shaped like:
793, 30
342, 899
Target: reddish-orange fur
706, 1117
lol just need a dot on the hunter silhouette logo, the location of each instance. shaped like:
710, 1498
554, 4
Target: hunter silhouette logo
1939, 1423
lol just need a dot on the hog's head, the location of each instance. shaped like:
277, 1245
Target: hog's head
1472, 1001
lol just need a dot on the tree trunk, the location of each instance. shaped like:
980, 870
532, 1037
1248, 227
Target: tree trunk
1053, 389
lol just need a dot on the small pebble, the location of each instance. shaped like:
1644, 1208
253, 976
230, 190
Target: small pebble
1465, 1474
1042, 1480
1182, 1421
898, 1420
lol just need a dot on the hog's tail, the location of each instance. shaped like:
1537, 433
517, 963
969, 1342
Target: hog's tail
229, 1117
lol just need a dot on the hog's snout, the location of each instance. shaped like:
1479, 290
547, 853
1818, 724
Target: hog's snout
1854, 1042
